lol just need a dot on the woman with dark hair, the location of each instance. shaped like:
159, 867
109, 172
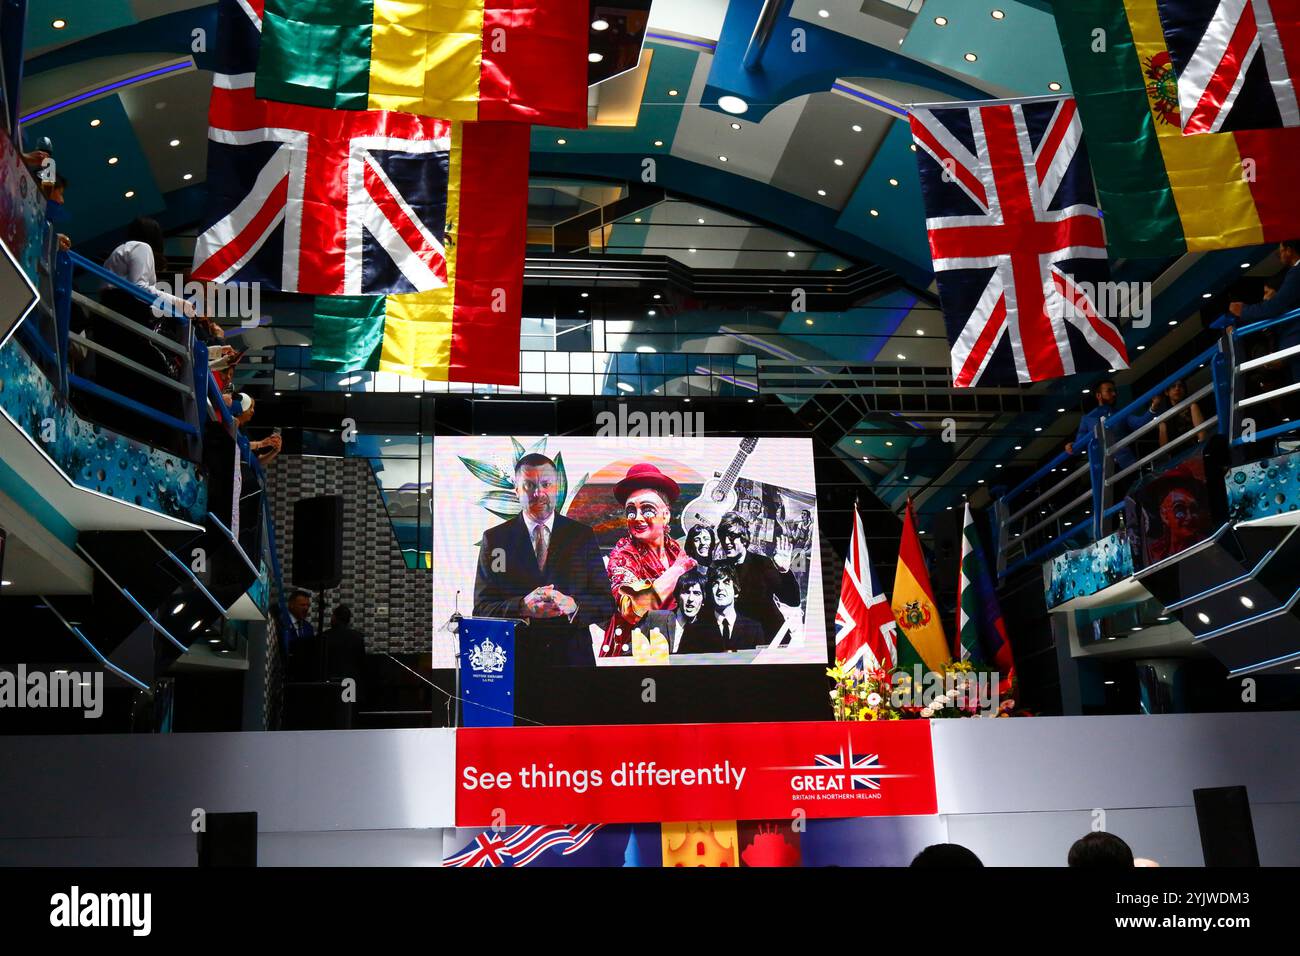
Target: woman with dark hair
1183, 421
700, 542
644, 566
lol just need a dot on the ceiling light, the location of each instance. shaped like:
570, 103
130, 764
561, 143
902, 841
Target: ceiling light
732, 104
893, 181
112, 160
94, 122
997, 14
909, 478
672, 92
175, 142
561, 141
1109, 683
555, 398
971, 57
875, 212
5, 584
889, 444
1142, 348
912, 147
196, 625
821, 192
59, 23
586, 294
1245, 265
595, 57
650, 312
625, 387
750, 401
857, 441
920, 331
659, 142
692, 251
1060, 411
722, 159
187, 177
1247, 602
1162, 618
1019, 447
658, 296
1203, 617
1054, 86
645, 349
637, 219
599, 25
1207, 295
1173, 321
839, 162
941, 21
1039, 428
790, 254
350, 380
823, 13
902, 357
857, 128
129, 193
807, 321
735, 126
700, 220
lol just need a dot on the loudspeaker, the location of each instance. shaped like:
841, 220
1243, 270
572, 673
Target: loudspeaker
1227, 833
228, 839
318, 542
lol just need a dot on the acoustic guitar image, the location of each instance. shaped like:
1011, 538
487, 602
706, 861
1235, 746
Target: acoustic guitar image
718, 496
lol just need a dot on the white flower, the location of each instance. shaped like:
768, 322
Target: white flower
939, 703
927, 712
873, 700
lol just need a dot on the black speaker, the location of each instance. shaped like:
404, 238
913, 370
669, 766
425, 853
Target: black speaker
1227, 833
228, 839
318, 542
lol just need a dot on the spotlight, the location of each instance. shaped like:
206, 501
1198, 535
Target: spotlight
733, 104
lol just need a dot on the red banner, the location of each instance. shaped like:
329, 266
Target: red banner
674, 772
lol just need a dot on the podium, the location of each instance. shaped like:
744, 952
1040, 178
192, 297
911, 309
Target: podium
487, 672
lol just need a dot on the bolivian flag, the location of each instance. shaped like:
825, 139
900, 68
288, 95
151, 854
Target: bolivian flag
480, 60
467, 331
1164, 193
920, 632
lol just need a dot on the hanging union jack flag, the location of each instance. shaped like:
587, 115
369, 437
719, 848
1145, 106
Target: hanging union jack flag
1016, 238
1236, 62
313, 200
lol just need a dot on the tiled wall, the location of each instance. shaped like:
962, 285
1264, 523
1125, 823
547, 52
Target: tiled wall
391, 604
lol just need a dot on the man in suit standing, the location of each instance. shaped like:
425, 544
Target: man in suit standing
691, 596
760, 581
300, 628
721, 627
546, 569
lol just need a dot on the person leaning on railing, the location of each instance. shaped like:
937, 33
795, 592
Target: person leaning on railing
1285, 299
1105, 394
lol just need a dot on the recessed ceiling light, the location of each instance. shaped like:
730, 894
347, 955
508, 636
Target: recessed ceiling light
1039, 428
857, 128
672, 92
1060, 411
823, 13
997, 14
658, 296
175, 142
1054, 86
941, 21
94, 122
586, 294
637, 219
735, 126
893, 181
1019, 447
1203, 617
700, 220
650, 312
732, 104
59, 23
659, 142
1173, 321
889, 444
789, 253
722, 159
920, 331
112, 160
821, 192
912, 147
5, 584
1207, 295
857, 441
839, 162
692, 251
971, 57
595, 57
902, 357
599, 25
196, 625
561, 141
1142, 348
129, 193
875, 212
187, 177
810, 322
1247, 602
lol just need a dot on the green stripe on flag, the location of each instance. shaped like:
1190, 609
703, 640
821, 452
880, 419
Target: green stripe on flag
1133, 188
316, 53
348, 332
969, 607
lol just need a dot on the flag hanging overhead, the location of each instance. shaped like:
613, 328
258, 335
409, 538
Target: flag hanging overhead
981, 630
1236, 62
475, 60
920, 631
864, 623
1166, 194
1016, 239
304, 199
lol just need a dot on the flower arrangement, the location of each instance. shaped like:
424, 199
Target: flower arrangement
960, 690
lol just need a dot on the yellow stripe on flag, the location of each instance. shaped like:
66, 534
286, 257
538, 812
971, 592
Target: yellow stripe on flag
418, 326
926, 638
1213, 197
426, 57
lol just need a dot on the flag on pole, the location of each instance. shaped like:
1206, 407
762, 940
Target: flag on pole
982, 633
864, 623
474, 60
1016, 239
1236, 62
1166, 194
920, 631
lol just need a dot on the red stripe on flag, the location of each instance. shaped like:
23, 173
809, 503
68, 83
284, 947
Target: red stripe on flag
1273, 182
1225, 74
535, 62
225, 257
1047, 149
490, 253
988, 335
967, 178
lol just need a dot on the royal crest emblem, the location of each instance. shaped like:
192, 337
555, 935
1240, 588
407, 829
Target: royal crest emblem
915, 615
1162, 88
488, 656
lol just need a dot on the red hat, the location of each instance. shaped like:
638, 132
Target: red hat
645, 475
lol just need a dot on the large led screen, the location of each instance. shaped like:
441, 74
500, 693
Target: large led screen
631, 551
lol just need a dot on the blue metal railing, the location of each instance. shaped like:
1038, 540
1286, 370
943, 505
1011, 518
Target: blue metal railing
1023, 542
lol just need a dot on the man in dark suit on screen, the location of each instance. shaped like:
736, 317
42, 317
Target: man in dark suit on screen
761, 582
546, 569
